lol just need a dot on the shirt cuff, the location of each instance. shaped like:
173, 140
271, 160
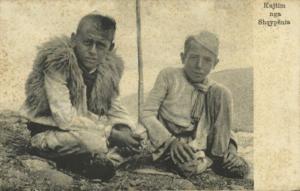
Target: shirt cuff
107, 131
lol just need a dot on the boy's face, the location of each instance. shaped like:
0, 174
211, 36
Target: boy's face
90, 45
198, 62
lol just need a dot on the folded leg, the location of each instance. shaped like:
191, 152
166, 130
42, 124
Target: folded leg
84, 152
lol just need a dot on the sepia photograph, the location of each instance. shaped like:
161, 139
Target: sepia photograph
127, 95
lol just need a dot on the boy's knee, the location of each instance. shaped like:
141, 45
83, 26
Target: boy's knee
220, 95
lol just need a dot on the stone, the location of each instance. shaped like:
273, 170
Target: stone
55, 178
36, 164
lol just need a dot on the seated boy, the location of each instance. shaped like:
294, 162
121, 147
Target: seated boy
188, 117
73, 103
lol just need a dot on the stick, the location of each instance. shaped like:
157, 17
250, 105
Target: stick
140, 62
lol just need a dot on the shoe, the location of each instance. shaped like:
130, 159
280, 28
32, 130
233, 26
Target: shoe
94, 166
240, 171
99, 167
194, 167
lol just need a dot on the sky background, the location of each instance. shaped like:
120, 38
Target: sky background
24, 25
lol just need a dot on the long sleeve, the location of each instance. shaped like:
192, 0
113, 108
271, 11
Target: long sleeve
118, 114
157, 133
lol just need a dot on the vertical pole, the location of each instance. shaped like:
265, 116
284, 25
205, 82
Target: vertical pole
140, 61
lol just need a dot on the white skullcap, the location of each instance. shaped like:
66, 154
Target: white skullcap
209, 40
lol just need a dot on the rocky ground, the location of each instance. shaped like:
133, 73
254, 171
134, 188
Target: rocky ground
21, 171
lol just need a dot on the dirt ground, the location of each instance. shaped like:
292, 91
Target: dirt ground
21, 171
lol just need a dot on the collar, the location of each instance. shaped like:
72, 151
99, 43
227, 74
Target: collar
92, 71
85, 71
200, 86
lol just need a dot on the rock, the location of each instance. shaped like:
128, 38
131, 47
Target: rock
37, 165
236, 187
45, 171
55, 178
154, 171
184, 184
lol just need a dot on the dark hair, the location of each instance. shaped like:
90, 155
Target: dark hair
103, 23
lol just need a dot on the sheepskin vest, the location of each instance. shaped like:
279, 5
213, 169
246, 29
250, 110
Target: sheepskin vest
59, 54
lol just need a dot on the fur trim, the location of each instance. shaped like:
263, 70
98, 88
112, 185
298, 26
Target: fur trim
59, 55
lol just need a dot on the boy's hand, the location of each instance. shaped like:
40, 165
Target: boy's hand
181, 152
122, 137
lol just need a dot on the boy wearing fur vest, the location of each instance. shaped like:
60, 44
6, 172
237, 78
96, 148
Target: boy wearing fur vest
73, 105
188, 116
